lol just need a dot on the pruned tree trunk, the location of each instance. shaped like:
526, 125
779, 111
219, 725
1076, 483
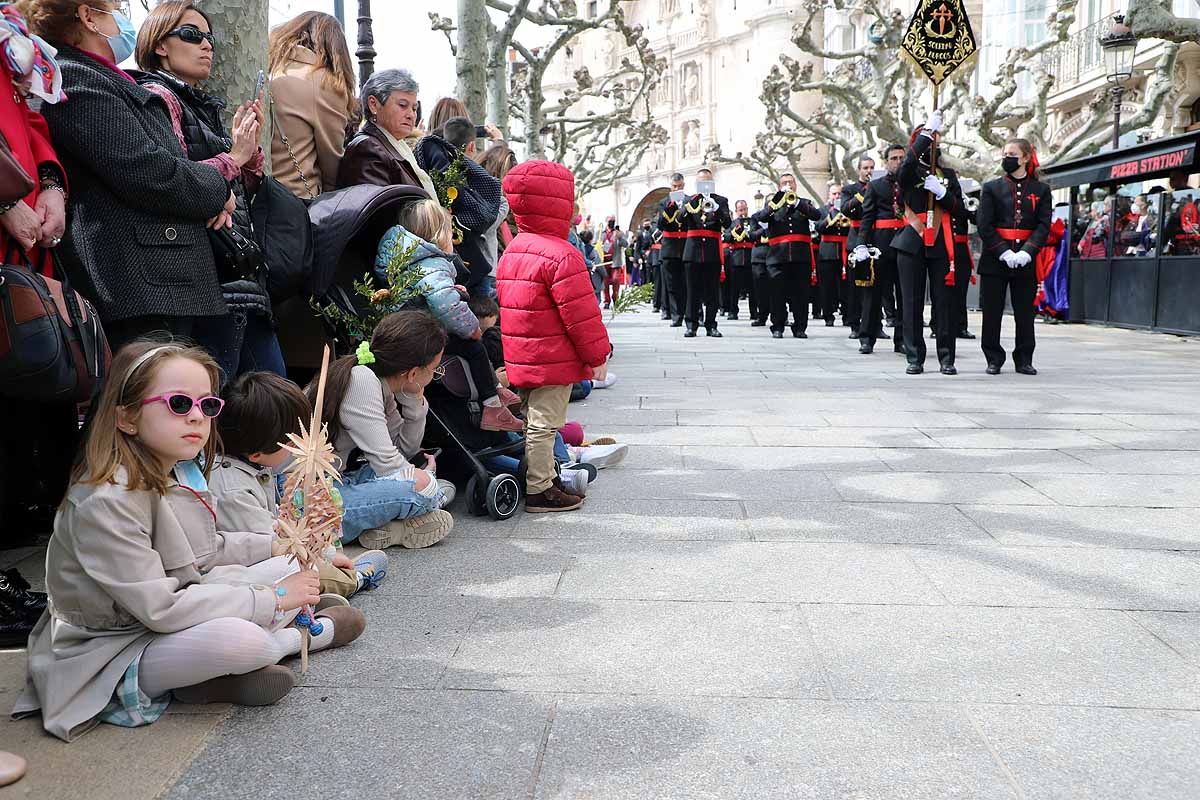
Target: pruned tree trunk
240, 27
471, 61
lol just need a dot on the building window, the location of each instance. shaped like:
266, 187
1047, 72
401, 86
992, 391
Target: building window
593, 9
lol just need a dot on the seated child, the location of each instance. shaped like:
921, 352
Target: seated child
426, 225
375, 405
135, 618
261, 409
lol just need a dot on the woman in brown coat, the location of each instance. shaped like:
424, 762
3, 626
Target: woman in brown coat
380, 154
312, 102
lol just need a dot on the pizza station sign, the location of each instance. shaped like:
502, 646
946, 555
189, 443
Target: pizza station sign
1176, 159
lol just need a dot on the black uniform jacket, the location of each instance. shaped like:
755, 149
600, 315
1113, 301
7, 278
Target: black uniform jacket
670, 222
833, 225
915, 197
739, 241
854, 194
704, 249
1002, 201
788, 220
883, 202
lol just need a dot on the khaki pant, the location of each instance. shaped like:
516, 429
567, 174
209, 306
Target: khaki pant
337, 581
545, 411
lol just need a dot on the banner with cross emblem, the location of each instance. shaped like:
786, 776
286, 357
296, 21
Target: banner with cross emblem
939, 38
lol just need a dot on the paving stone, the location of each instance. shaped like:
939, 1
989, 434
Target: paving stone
807, 459
1170, 491
1159, 441
628, 647
984, 460
727, 485
724, 749
1162, 422
1097, 753
675, 435
840, 437
614, 526
493, 568
786, 572
890, 418
1080, 526
1046, 421
915, 523
1014, 439
746, 418
401, 744
937, 487
1181, 631
1063, 577
1140, 462
999, 655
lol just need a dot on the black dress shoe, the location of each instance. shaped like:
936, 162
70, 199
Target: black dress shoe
666, 316
689, 334
866, 349
898, 347
714, 333
965, 334
799, 335
914, 369
853, 333
1027, 369
776, 334
758, 323
14, 593
882, 334
15, 626
993, 369
949, 369
677, 323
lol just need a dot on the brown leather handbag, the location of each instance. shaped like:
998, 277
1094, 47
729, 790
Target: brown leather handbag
15, 183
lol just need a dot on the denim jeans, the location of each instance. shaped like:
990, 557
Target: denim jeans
511, 464
371, 501
240, 343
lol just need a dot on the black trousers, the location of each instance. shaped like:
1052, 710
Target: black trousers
917, 272
760, 292
37, 447
676, 287
1021, 285
726, 290
659, 287
703, 289
789, 289
851, 301
829, 278
739, 280
475, 354
871, 298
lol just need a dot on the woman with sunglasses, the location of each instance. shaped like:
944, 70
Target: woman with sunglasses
136, 242
140, 612
375, 405
175, 51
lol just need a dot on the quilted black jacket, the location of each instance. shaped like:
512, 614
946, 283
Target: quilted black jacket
135, 241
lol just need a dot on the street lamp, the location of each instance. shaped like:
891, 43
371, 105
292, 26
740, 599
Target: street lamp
1119, 46
366, 43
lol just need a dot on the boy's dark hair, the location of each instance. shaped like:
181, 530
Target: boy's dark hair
586, 237
484, 307
261, 409
458, 131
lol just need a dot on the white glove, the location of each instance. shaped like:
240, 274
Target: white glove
934, 123
934, 184
861, 253
1021, 259
1008, 256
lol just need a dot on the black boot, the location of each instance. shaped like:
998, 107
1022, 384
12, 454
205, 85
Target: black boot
15, 593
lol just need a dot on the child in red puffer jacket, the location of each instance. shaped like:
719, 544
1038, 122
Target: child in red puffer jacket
552, 332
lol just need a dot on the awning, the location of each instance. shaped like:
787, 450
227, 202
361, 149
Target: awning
1153, 159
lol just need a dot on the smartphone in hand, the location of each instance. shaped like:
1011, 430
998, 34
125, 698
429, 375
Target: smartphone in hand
258, 86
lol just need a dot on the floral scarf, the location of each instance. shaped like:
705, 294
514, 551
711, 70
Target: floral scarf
29, 57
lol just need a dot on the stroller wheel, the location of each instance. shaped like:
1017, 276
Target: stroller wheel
476, 497
503, 496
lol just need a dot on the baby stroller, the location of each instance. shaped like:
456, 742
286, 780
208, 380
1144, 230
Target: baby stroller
454, 405
347, 227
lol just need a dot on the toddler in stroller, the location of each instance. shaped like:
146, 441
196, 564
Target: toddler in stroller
426, 226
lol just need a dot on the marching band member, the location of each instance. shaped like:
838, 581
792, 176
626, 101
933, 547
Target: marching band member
739, 241
705, 216
790, 259
834, 228
853, 195
882, 218
671, 236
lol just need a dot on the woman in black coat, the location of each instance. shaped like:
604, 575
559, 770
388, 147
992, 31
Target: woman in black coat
136, 242
175, 48
1013, 221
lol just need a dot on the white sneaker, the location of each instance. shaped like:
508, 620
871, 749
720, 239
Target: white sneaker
448, 492
608, 381
574, 481
601, 455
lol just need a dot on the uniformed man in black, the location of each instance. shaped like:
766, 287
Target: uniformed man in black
834, 228
882, 219
671, 235
760, 278
925, 255
853, 195
705, 216
789, 261
964, 260
1014, 221
738, 241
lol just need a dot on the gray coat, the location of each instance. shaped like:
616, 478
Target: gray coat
123, 566
135, 241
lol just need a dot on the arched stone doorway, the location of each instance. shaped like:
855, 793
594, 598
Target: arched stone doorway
644, 210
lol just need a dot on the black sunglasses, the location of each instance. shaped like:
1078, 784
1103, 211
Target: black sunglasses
192, 35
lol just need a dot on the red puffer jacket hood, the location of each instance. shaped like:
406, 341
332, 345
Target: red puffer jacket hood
549, 319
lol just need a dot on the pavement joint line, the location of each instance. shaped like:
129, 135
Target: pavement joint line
1009, 775
536, 775
1133, 616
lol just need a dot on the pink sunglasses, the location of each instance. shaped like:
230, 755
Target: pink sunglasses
181, 404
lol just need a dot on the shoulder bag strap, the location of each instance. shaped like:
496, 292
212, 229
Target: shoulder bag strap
287, 144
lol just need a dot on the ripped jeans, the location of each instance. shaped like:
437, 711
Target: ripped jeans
372, 502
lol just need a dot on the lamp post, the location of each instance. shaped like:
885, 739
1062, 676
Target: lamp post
366, 43
1119, 46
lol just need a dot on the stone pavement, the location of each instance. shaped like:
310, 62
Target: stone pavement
814, 577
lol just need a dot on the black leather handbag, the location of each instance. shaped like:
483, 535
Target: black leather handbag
238, 258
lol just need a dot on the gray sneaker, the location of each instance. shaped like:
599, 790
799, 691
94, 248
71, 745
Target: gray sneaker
413, 533
449, 492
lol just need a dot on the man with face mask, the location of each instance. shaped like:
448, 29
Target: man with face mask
738, 241
853, 196
790, 259
882, 219
671, 236
705, 216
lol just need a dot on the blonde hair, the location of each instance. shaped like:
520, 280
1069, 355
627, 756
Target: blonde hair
324, 35
57, 21
427, 219
444, 110
164, 18
108, 448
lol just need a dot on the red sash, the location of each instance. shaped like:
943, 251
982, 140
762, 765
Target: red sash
890, 224
791, 237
